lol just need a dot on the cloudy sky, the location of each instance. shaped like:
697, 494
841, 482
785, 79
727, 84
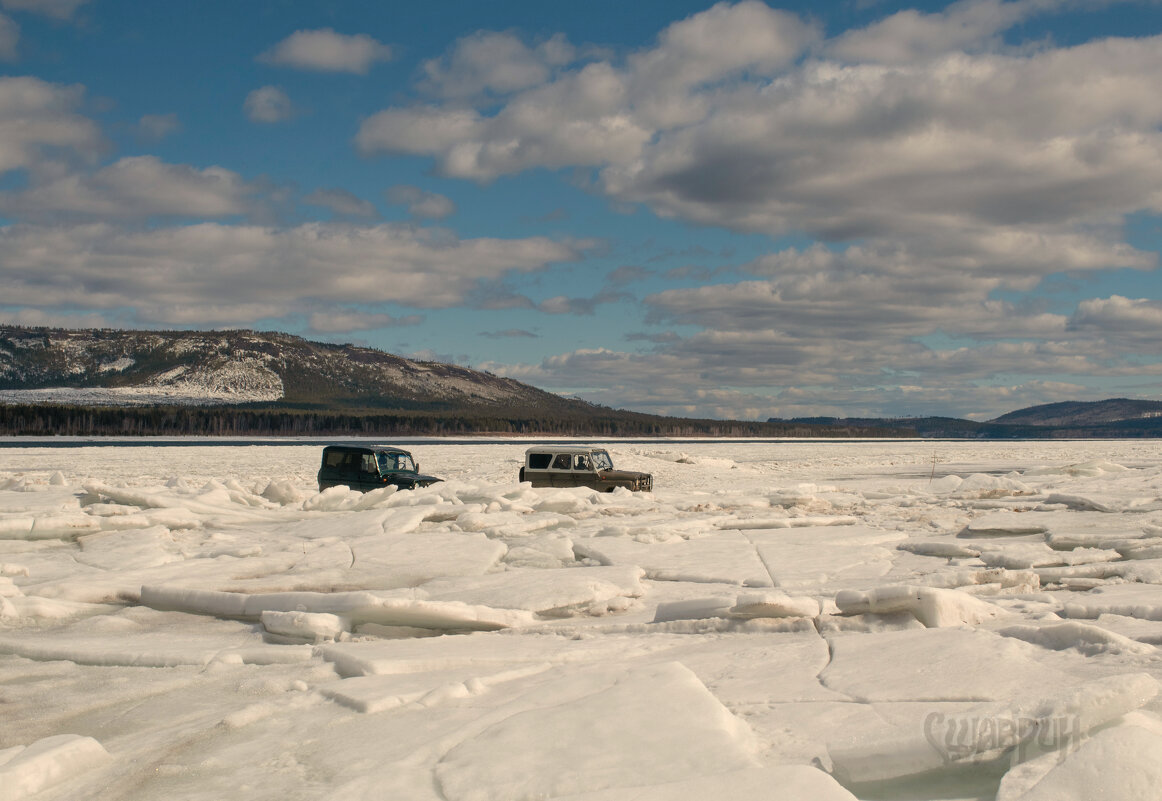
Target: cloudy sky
738, 210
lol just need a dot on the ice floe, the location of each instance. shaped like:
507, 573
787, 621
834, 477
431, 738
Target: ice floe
775, 620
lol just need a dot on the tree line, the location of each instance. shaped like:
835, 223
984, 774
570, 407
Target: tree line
217, 421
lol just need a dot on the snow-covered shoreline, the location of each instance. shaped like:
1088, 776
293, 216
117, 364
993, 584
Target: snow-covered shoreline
777, 620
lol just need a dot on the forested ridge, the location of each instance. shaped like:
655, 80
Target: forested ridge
58, 420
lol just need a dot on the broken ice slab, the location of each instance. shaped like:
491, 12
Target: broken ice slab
1005, 524
1142, 601
27, 770
932, 606
358, 607
613, 729
1041, 722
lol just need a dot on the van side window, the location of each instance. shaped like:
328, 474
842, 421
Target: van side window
581, 463
562, 462
540, 461
368, 465
334, 458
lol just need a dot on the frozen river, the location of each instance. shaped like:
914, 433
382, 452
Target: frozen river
777, 620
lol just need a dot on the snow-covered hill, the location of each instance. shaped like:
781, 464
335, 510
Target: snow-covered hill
133, 368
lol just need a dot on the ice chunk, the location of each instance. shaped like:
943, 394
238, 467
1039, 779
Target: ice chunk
975, 580
1078, 502
774, 604
1140, 549
1035, 722
312, 626
1085, 638
137, 548
775, 783
1005, 524
16, 527
149, 651
359, 607
1024, 555
982, 485
726, 557
942, 664
1142, 601
641, 727
932, 606
25, 771
1123, 763
943, 550
754, 524
546, 592
371, 694
819, 557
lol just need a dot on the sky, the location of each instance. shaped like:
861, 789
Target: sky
734, 210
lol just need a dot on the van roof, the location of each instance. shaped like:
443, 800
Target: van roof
562, 449
376, 448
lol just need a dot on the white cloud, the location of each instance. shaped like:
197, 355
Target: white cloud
213, 274
324, 50
134, 188
908, 36
490, 62
342, 202
36, 116
724, 123
593, 115
155, 127
420, 203
1129, 323
268, 104
341, 321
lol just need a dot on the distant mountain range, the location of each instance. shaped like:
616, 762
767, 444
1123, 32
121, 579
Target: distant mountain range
1112, 418
104, 381
115, 382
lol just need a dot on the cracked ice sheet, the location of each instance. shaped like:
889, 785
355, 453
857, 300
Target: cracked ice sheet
620, 729
826, 557
230, 728
724, 557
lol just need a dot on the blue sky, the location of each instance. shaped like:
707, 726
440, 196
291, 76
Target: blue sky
738, 210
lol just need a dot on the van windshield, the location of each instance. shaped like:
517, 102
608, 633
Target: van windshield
395, 462
601, 460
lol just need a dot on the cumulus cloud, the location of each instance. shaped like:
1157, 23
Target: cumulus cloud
178, 274
38, 117
268, 104
494, 62
155, 127
138, 187
421, 204
342, 202
1133, 323
342, 321
908, 36
723, 122
324, 50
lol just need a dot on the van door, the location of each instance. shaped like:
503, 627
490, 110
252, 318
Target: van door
561, 471
584, 473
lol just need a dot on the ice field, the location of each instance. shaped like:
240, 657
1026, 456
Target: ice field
781, 620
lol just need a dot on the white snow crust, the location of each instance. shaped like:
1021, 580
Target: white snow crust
780, 620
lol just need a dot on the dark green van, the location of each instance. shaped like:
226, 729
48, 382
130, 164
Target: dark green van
368, 467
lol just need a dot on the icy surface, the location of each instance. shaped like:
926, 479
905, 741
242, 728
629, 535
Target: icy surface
785, 620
